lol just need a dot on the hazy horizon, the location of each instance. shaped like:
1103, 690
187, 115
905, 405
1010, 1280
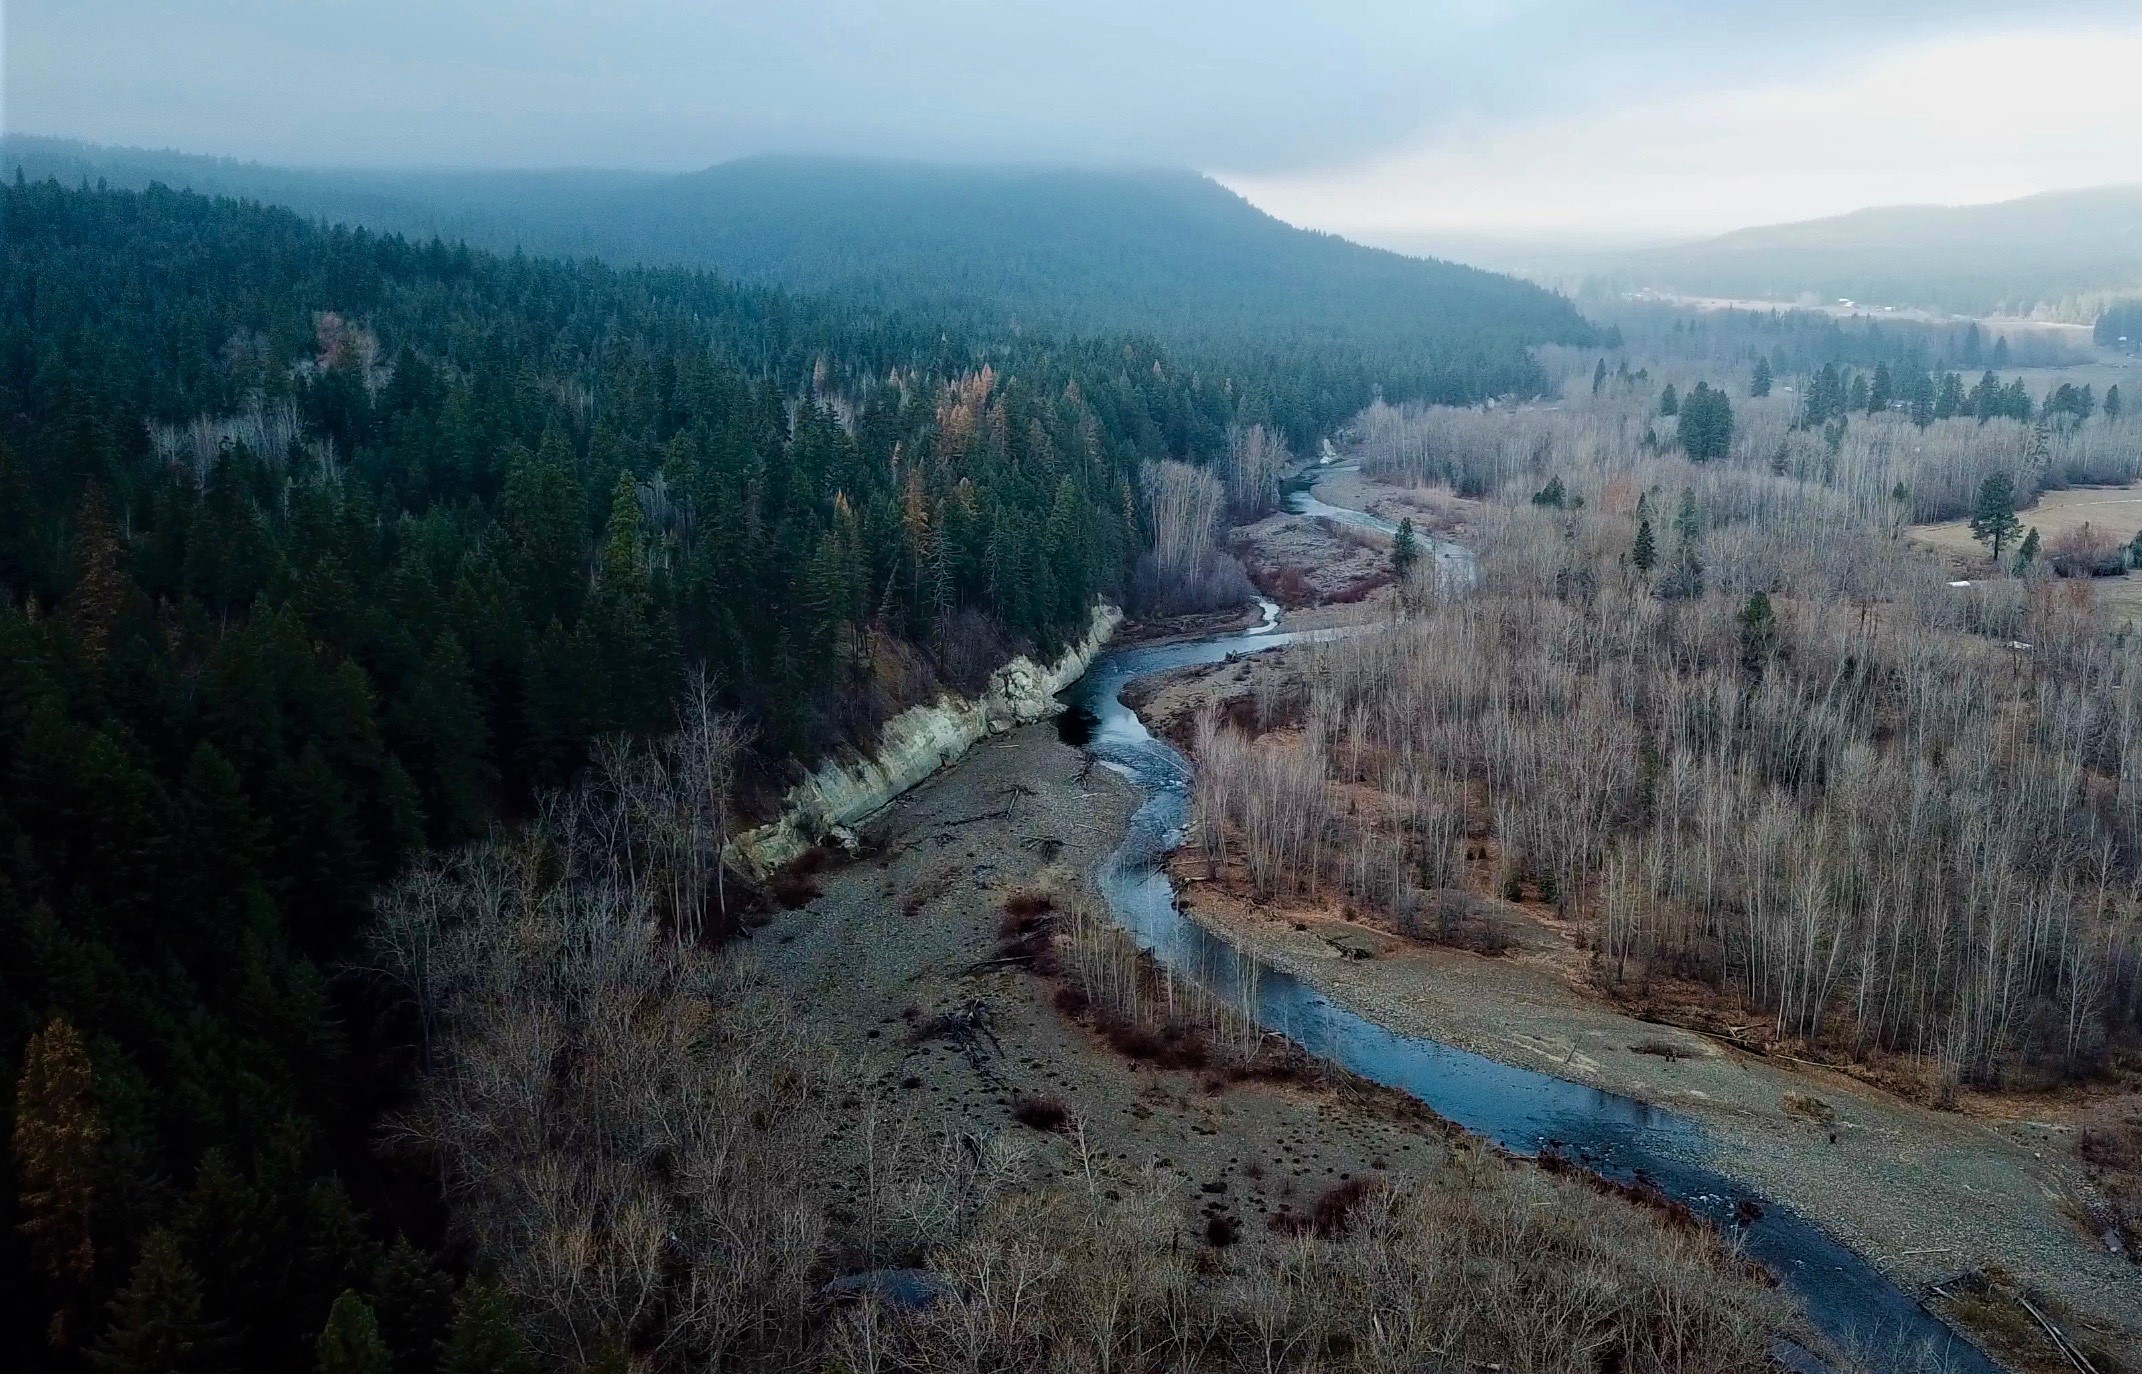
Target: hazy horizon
1530, 119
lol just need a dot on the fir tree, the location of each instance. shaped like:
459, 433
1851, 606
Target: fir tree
101, 588
1685, 577
415, 1307
1706, 427
1669, 401
157, 1324
1993, 518
1758, 630
485, 1338
1881, 391
1759, 384
1645, 555
350, 1342
1922, 399
2112, 401
2027, 551
1599, 376
1405, 551
58, 1134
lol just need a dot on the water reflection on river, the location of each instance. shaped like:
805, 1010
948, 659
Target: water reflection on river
1519, 1109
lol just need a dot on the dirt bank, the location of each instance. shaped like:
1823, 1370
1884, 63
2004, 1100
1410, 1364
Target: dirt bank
905, 935
1923, 1194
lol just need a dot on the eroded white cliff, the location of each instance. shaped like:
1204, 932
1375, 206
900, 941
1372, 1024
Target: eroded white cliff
914, 745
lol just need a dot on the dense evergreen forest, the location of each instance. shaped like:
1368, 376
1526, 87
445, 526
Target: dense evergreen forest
2120, 326
320, 547
1807, 340
1317, 325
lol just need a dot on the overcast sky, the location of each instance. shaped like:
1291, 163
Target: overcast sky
1369, 116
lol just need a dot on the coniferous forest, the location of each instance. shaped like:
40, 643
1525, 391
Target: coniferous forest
322, 547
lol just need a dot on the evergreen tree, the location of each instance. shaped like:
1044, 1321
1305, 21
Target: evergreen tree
485, 1338
415, 1307
1552, 495
1405, 551
2027, 551
1922, 399
1599, 376
1825, 397
1988, 399
1881, 391
58, 1134
1706, 427
1669, 401
1759, 384
350, 1342
1685, 577
1758, 631
1993, 518
2112, 401
1949, 401
157, 1325
102, 589
1646, 553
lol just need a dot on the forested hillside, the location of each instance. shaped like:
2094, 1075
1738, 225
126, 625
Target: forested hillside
1316, 325
321, 546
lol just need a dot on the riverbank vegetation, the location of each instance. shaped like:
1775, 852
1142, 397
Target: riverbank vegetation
660, 1165
1721, 716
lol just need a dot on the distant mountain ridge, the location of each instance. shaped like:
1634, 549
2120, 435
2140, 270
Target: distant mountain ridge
2063, 252
1167, 254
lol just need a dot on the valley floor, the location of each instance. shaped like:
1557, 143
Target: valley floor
1927, 1195
912, 928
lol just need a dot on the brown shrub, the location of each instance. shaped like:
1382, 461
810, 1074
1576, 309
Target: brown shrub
1041, 1113
2085, 551
1333, 1213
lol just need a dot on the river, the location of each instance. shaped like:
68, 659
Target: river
1522, 1110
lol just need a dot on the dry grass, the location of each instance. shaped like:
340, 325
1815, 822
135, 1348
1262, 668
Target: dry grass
630, 1132
1808, 1107
1997, 1311
2113, 511
2111, 1150
1479, 1266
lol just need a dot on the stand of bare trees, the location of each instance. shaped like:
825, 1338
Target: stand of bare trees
1870, 822
1256, 467
664, 1171
1184, 568
1862, 467
623, 1124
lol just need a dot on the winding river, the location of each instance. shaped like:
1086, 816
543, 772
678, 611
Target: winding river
1520, 1109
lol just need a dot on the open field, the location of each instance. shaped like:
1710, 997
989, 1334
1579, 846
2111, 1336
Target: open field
2112, 514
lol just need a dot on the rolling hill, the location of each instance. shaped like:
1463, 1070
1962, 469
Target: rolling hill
1162, 253
2063, 251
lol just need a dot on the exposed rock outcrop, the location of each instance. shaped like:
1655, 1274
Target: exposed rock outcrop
915, 744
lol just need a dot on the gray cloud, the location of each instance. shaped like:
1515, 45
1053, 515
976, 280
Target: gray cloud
1251, 85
